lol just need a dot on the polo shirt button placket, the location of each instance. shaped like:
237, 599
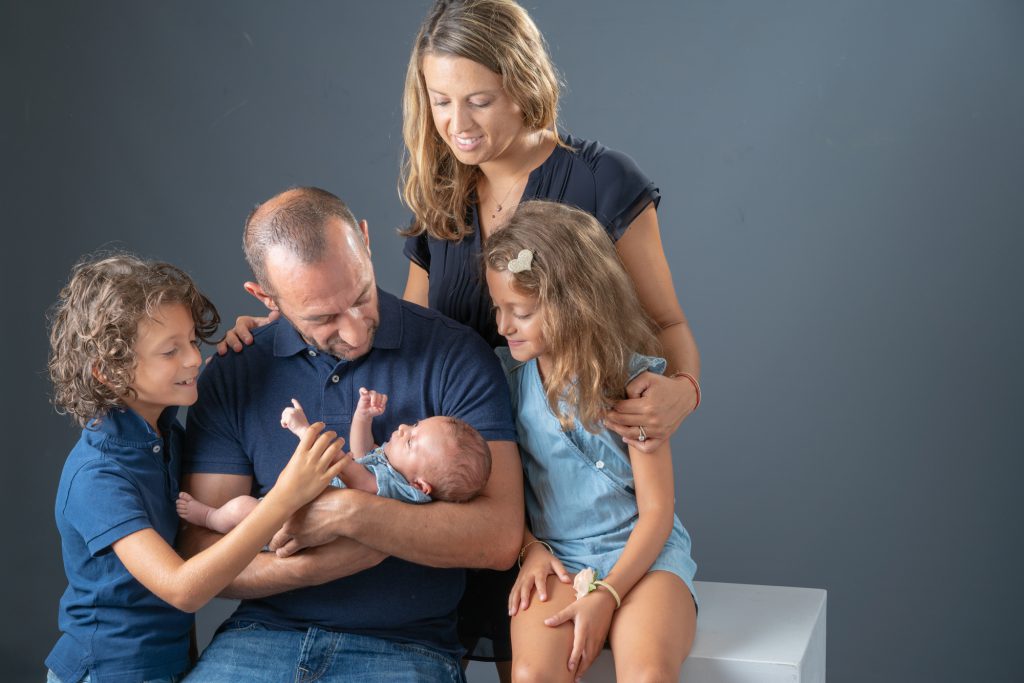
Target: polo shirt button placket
335, 378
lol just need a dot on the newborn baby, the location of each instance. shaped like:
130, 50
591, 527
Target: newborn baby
438, 458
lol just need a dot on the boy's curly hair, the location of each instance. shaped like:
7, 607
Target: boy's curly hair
94, 323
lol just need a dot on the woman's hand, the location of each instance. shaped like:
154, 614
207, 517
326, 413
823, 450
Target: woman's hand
591, 617
658, 403
241, 333
537, 567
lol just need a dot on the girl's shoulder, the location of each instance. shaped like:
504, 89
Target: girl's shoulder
639, 363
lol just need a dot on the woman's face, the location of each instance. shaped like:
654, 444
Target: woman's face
472, 112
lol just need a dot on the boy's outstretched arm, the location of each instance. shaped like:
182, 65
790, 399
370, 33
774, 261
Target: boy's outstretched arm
268, 574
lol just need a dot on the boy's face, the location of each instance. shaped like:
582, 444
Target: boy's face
416, 451
167, 362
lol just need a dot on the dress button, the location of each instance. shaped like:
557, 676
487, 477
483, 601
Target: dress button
599, 464
312, 352
156, 449
335, 378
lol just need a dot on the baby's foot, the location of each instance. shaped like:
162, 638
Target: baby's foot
191, 510
294, 419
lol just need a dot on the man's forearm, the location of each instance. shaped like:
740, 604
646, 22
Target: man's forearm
269, 574
486, 532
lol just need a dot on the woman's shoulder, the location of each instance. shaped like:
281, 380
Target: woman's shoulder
600, 159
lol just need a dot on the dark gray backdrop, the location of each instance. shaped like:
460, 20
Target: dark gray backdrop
841, 210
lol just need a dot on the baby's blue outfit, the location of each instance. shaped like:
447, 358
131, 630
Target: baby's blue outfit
390, 483
580, 495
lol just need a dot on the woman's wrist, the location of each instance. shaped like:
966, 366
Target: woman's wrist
693, 380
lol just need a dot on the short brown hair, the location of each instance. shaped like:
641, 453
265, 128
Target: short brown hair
465, 471
297, 221
94, 325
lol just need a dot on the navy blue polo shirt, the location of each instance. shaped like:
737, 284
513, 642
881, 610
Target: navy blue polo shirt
427, 365
118, 479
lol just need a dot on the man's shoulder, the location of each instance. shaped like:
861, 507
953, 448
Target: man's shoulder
430, 324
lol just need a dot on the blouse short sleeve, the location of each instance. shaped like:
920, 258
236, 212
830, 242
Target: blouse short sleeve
621, 191
417, 250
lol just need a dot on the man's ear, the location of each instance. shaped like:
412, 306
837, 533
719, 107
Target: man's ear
258, 292
422, 485
364, 228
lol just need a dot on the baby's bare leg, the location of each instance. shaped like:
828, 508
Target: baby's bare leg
222, 519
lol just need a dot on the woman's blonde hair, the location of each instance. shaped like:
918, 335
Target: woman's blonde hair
94, 326
500, 35
592, 320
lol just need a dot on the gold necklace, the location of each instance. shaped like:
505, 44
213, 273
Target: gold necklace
500, 205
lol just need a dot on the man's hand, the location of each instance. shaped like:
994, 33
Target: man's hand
313, 525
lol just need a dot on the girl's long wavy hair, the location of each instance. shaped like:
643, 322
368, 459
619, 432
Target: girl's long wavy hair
500, 35
94, 326
592, 320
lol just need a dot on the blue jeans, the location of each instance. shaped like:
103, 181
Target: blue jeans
52, 678
247, 651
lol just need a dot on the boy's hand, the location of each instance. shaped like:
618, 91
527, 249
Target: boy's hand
315, 462
294, 419
371, 403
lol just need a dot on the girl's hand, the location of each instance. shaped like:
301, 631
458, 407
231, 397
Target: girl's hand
591, 617
371, 403
241, 334
538, 566
658, 403
316, 461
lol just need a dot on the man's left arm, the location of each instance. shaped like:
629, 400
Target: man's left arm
485, 532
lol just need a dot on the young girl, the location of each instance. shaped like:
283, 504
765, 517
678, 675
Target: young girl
123, 355
575, 335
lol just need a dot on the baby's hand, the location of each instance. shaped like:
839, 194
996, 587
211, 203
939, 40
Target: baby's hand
294, 419
371, 403
315, 462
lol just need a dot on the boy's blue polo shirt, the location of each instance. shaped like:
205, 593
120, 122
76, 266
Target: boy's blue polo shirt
427, 365
118, 479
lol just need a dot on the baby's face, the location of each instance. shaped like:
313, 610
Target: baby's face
417, 450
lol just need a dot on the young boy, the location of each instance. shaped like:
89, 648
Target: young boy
123, 356
438, 458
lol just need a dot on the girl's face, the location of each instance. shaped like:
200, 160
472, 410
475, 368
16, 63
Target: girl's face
167, 362
472, 112
519, 317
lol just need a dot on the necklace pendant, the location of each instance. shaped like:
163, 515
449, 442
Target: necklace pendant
498, 210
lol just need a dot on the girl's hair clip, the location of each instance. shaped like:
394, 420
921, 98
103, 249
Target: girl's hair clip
521, 262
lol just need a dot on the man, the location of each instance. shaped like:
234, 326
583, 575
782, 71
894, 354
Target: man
373, 594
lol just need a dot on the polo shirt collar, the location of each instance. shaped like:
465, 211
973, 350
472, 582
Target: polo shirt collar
127, 426
288, 341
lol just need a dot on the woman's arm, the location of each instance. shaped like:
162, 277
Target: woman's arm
190, 584
417, 286
658, 403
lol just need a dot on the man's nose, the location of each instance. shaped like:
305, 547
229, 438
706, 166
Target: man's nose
352, 328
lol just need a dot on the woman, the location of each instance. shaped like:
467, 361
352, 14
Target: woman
480, 129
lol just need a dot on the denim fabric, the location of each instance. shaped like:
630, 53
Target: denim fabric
52, 678
390, 483
247, 651
580, 494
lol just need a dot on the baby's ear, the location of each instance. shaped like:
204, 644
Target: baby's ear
422, 485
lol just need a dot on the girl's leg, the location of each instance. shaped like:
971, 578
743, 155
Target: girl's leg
652, 632
541, 652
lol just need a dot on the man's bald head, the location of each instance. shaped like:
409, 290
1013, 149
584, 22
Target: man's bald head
299, 220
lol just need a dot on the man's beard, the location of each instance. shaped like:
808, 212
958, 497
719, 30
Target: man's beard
335, 346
